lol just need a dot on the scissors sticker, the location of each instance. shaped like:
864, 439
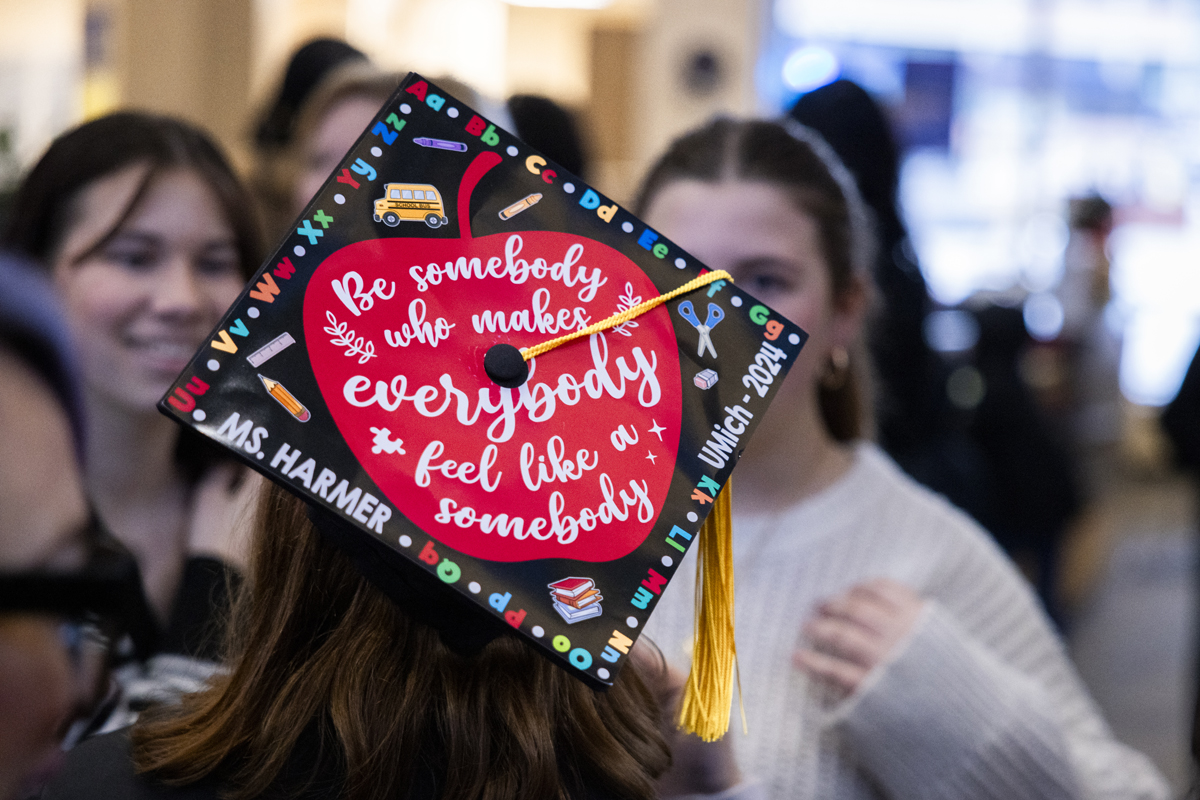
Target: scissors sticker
715, 315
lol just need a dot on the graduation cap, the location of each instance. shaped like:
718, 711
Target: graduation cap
508, 399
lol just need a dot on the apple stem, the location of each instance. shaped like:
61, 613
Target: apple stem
470, 179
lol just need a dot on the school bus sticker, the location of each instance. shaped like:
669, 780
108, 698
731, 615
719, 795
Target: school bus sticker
410, 202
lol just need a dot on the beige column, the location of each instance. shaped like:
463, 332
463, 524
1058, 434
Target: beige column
188, 58
679, 31
641, 98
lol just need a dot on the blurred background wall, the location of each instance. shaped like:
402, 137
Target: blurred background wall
647, 68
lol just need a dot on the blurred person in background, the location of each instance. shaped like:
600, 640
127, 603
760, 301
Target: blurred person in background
1094, 349
1180, 421
886, 646
330, 95
276, 129
330, 120
911, 414
60, 586
1029, 475
148, 238
997, 460
336, 113
546, 126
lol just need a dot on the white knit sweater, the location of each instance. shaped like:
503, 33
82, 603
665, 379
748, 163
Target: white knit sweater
979, 702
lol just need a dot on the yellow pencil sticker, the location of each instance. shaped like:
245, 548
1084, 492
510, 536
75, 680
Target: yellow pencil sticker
285, 398
519, 206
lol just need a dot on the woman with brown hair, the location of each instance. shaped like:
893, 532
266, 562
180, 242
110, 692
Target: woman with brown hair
148, 237
886, 647
336, 690
327, 124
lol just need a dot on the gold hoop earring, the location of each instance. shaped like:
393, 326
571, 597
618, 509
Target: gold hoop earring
837, 371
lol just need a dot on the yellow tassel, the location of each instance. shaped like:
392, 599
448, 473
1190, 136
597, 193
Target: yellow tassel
708, 697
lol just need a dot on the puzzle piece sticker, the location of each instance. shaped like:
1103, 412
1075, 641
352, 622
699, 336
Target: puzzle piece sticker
385, 444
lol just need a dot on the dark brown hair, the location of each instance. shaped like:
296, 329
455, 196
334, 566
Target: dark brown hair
278, 171
46, 205
319, 653
797, 161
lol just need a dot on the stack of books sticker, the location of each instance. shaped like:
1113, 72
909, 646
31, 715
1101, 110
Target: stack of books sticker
576, 599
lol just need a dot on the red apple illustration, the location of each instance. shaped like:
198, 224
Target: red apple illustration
575, 463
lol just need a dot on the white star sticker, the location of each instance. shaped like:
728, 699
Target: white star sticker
657, 429
651, 456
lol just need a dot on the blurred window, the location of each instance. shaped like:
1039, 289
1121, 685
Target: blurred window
1008, 108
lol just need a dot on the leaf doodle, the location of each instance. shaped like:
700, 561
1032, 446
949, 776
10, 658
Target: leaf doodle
343, 337
626, 302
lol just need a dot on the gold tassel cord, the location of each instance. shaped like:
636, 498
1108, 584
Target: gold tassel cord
708, 696
624, 316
